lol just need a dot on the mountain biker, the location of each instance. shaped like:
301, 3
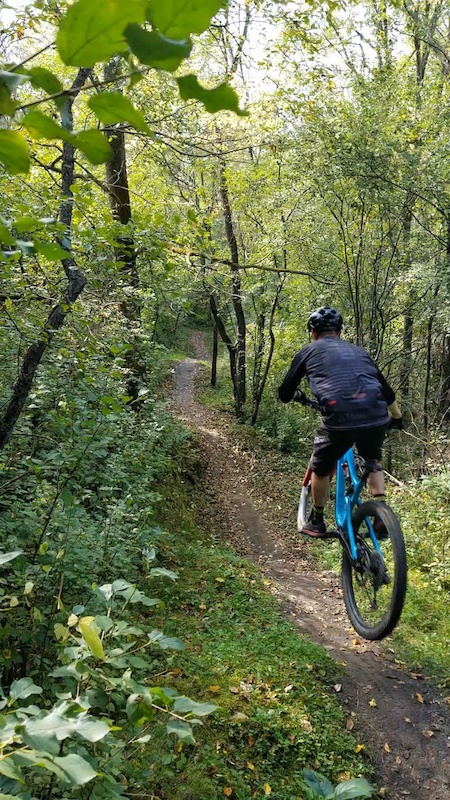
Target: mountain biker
357, 406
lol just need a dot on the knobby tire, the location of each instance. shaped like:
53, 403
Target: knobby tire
357, 586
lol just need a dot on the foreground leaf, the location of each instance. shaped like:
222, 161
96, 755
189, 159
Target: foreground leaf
111, 107
222, 97
154, 49
5, 557
94, 146
179, 18
320, 785
92, 32
92, 640
358, 787
14, 153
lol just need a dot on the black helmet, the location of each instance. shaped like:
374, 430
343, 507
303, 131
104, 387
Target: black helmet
325, 319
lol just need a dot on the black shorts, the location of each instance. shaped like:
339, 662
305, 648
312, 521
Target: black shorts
330, 445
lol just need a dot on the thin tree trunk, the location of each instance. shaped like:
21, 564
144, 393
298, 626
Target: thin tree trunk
218, 323
75, 278
214, 356
125, 248
240, 381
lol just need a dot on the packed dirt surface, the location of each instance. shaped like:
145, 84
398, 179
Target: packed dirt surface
404, 723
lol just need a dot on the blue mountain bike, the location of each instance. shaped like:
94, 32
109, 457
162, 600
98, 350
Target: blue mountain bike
374, 567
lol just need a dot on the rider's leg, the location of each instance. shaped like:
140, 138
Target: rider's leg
320, 487
327, 448
376, 484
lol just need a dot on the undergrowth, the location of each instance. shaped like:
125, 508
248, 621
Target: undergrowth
420, 642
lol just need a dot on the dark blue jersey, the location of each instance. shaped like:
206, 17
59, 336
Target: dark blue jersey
345, 380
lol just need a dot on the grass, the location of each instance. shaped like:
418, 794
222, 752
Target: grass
277, 713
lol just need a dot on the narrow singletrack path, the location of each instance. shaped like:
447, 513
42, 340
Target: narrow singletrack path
407, 728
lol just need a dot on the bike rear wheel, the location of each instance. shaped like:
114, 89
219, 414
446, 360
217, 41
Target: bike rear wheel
374, 587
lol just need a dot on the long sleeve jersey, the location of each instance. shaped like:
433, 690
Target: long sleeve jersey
347, 383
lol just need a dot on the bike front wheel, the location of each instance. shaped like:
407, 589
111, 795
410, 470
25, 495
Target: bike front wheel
304, 506
374, 586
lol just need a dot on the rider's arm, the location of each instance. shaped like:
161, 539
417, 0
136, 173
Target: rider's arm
389, 396
296, 372
394, 410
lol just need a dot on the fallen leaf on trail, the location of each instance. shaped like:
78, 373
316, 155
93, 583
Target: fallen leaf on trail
267, 789
373, 703
428, 734
234, 689
220, 580
306, 725
250, 765
398, 760
419, 697
213, 689
349, 724
358, 748
387, 747
239, 717
407, 719
337, 687
202, 607
228, 791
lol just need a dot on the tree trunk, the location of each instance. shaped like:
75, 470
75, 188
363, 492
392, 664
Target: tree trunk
240, 380
125, 249
214, 356
75, 278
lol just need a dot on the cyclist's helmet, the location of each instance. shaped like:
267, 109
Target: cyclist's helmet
325, 319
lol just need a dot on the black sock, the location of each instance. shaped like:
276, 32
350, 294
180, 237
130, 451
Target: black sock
317, 515
380, 497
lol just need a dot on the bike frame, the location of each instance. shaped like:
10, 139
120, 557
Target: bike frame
348, 495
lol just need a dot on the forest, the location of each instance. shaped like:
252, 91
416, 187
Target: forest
176, 171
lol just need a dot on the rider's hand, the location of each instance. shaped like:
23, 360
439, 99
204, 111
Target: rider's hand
396, 422
299, 397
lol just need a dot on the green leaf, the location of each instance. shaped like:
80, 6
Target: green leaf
69, 769
320, 785
94, 146
6, 237
14, 152
23, 224
9, 769
164, 573
358, 787
179, 18
165, 642
41, 126
154, 49
9, 81
92, 32
7, 104
44, 79
111, 107
52, 252
184, 705
23, 688
217, 99
5, 557
181, 729
92, 640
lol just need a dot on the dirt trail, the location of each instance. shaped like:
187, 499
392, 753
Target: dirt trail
408, 740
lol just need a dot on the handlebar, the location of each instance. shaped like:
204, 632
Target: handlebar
300, 397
